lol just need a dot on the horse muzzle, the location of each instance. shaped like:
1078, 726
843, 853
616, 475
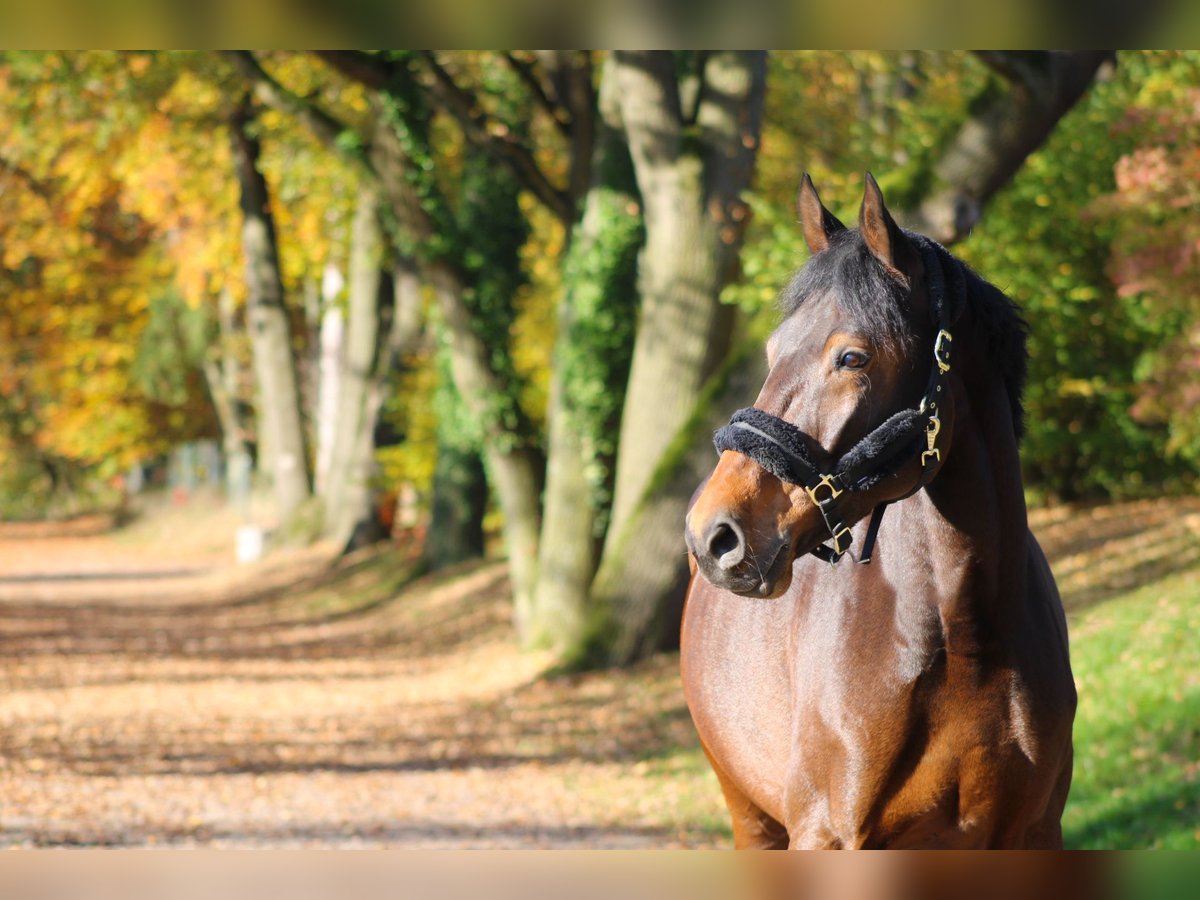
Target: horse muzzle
727, 560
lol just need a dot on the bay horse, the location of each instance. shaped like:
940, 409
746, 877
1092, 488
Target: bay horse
925, 699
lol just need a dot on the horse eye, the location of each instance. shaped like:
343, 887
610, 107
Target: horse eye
852, 359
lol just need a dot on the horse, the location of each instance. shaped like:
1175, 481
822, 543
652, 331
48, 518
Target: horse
922, 697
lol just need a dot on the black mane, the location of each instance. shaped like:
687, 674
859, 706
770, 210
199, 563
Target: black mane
880, 305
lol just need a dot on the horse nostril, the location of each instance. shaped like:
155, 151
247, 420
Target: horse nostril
725, 543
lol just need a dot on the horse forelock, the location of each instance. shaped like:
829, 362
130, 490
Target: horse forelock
865, 291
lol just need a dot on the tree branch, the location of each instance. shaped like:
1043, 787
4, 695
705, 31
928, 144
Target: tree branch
549, 100
1000, 134
365, 68
497, 139
324, 126
1024, 66
696, 86
34, 184
577, 88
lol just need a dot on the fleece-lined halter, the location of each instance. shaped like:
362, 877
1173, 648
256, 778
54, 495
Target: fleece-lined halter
781, 448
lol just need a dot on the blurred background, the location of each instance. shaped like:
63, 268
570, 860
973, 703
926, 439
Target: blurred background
350, 404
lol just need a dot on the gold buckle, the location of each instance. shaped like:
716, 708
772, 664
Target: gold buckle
826, 481
932, 430
837, 541
941, 353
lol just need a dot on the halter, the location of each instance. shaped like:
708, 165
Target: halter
782, 449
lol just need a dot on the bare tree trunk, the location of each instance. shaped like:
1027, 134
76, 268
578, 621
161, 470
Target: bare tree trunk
514, 469
692, 165
400, 328
360, 349
280, 418
693, 146
591, 367
223, 377
331, 336
382, 320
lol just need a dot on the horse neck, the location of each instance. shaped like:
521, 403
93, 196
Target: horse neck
972, 518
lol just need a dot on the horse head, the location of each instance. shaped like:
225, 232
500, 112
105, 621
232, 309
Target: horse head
853, 351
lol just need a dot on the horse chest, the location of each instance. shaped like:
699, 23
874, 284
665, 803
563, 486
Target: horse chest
793, 695
848, 725
905, 764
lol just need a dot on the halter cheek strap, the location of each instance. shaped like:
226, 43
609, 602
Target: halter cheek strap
782, 449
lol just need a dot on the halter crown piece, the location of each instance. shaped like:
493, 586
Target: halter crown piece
781, 448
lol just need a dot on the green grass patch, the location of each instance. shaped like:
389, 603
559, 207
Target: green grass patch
1137, 732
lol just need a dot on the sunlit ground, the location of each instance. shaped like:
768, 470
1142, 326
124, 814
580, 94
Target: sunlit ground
150, 693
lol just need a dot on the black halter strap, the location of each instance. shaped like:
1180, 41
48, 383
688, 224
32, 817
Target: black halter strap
782, 449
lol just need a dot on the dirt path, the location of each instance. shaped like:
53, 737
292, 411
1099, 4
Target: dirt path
150, 694
153, 694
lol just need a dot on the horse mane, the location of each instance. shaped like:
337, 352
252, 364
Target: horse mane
1003, 331
880, 306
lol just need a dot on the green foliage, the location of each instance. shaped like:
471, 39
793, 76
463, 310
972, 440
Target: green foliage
601, 294
407, 113
172, 348
493, 230
1039, 244
456, 427
1103, 417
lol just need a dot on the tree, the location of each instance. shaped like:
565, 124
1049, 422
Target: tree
693, 133
280, 417
84, 276
383, 321
597, 316
1155, 247
469, 269
1006, 122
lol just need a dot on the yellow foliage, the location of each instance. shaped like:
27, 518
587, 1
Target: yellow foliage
101, 198
537, 304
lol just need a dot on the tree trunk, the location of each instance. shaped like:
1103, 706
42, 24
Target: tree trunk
382, 321
330, 338
638, 592
358, 522
693, 152
692, 166
514, 469
354, 419
459, 494
591, 366
280, 419
222, 375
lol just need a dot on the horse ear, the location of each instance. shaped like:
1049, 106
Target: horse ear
819, 224
884, 238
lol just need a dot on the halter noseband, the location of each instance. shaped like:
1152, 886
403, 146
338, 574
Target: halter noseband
781, 448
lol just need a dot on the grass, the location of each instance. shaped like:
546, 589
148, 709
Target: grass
1137, 732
